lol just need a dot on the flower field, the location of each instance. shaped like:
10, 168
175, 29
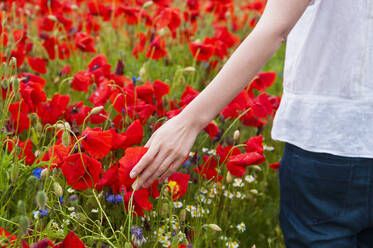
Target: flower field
85, 83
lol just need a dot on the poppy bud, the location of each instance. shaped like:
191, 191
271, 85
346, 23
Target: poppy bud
66, 139
229, 177
189, 69
41, 199
164, 209
96, 110
147, 4
52, 18
74, 7
13, 61
182, 215
256, 167
44, 174
214, 227
58, 189
14, 173
24, 222
254, 191
21, 207
254, 246
236, 135
142, 71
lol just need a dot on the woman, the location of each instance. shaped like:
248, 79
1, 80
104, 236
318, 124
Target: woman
325, 118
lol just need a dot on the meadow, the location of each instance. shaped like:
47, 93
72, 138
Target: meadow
85, 83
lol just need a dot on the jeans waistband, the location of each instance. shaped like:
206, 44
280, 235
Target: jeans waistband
326, 156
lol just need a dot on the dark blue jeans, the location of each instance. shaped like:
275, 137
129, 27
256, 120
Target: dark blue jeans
325, 199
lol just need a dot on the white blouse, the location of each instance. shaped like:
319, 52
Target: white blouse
327, 100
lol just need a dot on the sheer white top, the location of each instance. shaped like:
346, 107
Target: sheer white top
327, 100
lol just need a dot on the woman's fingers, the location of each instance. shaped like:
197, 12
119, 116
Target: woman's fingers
145, 160
162, 168
171, 170
151, 168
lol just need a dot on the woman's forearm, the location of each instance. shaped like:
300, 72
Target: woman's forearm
238, 71
278, 19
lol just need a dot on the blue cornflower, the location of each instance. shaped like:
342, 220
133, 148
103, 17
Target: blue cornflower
134, 79
187, 164
115, 199
36, 172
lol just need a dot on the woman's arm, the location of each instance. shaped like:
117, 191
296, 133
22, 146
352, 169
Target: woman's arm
174, 139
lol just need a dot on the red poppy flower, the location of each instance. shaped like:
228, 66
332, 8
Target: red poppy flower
178, 185
275, 165
77, 112
81, 172
37, 64
262, 106
50, 45
188, 95
160, 89
226, 152
99, 67
131, 14
19, 119
140, 201
56, 155
140, 45
97, 143
169, 17
81, 81
262, 81
32, 94
71, 240
127, 162
133, 135
157, 48
237, 163
52, 110
205, 51
211, 129
84, 42
255, 144
110, 179
25, 150
208, 169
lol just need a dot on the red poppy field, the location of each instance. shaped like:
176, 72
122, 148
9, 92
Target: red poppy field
85, 83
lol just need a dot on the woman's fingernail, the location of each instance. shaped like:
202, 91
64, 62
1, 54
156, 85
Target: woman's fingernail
132, 174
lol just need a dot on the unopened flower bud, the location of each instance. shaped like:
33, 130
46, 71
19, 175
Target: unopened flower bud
182, 215
96, 110
41, 199
52, 18
128, 245
256, 167
189, 69
254, 191
66, 139
43, 174
229, 177
164, 209
24, 223
236, 135
21, 207
142, 71
58, 189
14, 173
74, 7
214, 227
13, 61
147, 4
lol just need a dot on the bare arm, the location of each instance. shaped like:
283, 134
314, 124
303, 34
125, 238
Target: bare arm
172, 142
258, 47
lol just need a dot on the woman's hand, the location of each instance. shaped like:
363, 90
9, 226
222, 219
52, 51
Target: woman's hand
170, 143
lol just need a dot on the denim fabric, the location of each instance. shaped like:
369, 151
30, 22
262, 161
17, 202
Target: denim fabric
325, 199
